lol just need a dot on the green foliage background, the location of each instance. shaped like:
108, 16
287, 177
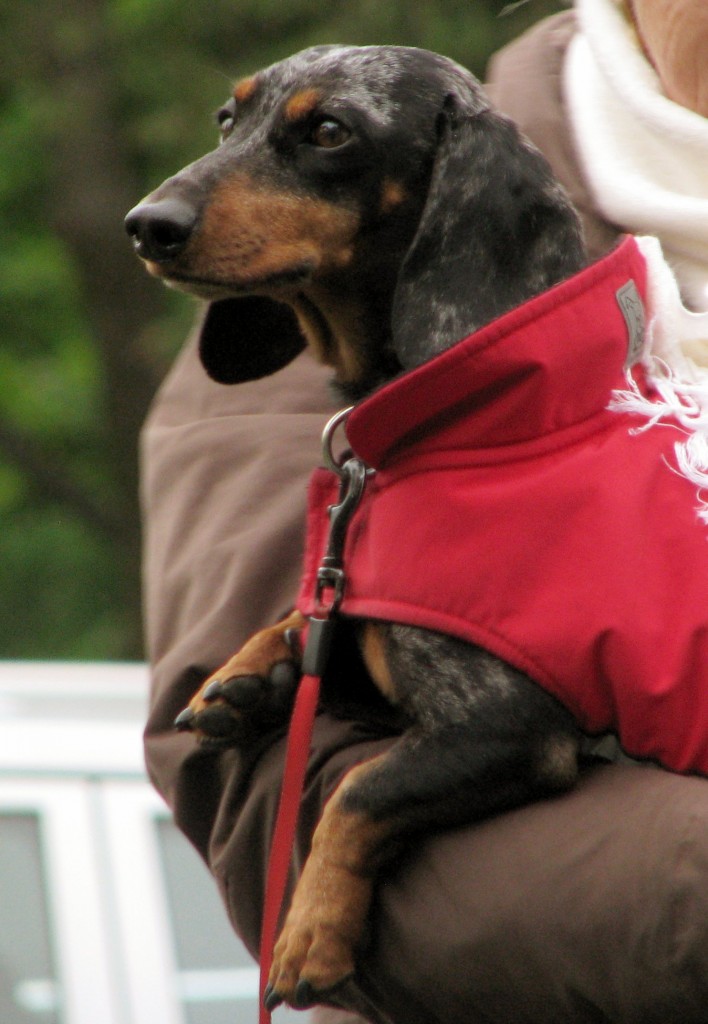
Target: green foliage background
99, 101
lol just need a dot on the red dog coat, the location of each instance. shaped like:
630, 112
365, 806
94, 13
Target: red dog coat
512, 509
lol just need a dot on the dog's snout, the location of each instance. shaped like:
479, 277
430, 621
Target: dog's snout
160, 229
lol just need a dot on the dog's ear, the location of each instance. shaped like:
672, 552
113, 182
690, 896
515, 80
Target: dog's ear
496, 229
248, 338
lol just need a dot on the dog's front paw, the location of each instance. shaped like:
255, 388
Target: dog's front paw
252, 693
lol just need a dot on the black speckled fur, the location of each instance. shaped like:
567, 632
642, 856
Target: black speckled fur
481, 227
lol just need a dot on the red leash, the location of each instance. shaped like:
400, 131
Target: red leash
296, 757
330, 587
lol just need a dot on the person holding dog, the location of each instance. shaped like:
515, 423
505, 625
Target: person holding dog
616, 95
591, 906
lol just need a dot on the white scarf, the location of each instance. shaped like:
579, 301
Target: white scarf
645, 157
646, 161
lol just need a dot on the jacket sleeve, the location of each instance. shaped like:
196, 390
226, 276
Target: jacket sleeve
224, 477
525, 81
587, 907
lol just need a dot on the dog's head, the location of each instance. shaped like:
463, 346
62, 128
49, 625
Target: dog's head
352, 188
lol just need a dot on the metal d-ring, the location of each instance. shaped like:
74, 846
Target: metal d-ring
328, 433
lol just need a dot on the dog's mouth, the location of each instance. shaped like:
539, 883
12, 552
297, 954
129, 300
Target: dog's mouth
276, 284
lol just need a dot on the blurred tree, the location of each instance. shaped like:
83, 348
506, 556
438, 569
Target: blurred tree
99, 100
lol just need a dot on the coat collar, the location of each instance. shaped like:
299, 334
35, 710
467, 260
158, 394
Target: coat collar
544, 367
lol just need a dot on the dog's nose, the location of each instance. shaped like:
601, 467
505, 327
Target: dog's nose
161, 229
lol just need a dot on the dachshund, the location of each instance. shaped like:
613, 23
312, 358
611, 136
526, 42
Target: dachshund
368, 203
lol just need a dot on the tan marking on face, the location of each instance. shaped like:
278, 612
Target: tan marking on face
295, 249
332, 325
245, 89
301, 104
392, 195
250, 234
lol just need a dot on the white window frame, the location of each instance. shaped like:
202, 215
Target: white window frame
71, 755
78, 930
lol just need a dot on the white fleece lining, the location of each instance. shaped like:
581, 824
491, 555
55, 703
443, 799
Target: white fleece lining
679, 381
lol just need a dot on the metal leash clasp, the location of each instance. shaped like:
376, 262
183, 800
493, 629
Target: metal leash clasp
331, 576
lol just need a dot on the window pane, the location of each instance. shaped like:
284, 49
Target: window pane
29, 992
218, 979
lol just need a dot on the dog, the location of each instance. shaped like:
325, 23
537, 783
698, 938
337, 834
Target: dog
368, 203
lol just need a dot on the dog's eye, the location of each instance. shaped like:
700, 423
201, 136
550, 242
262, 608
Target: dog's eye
225, 119
329, 134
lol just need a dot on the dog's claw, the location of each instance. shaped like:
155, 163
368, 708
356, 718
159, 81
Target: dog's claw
213, 690
271, 999
305, 995
185, 720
